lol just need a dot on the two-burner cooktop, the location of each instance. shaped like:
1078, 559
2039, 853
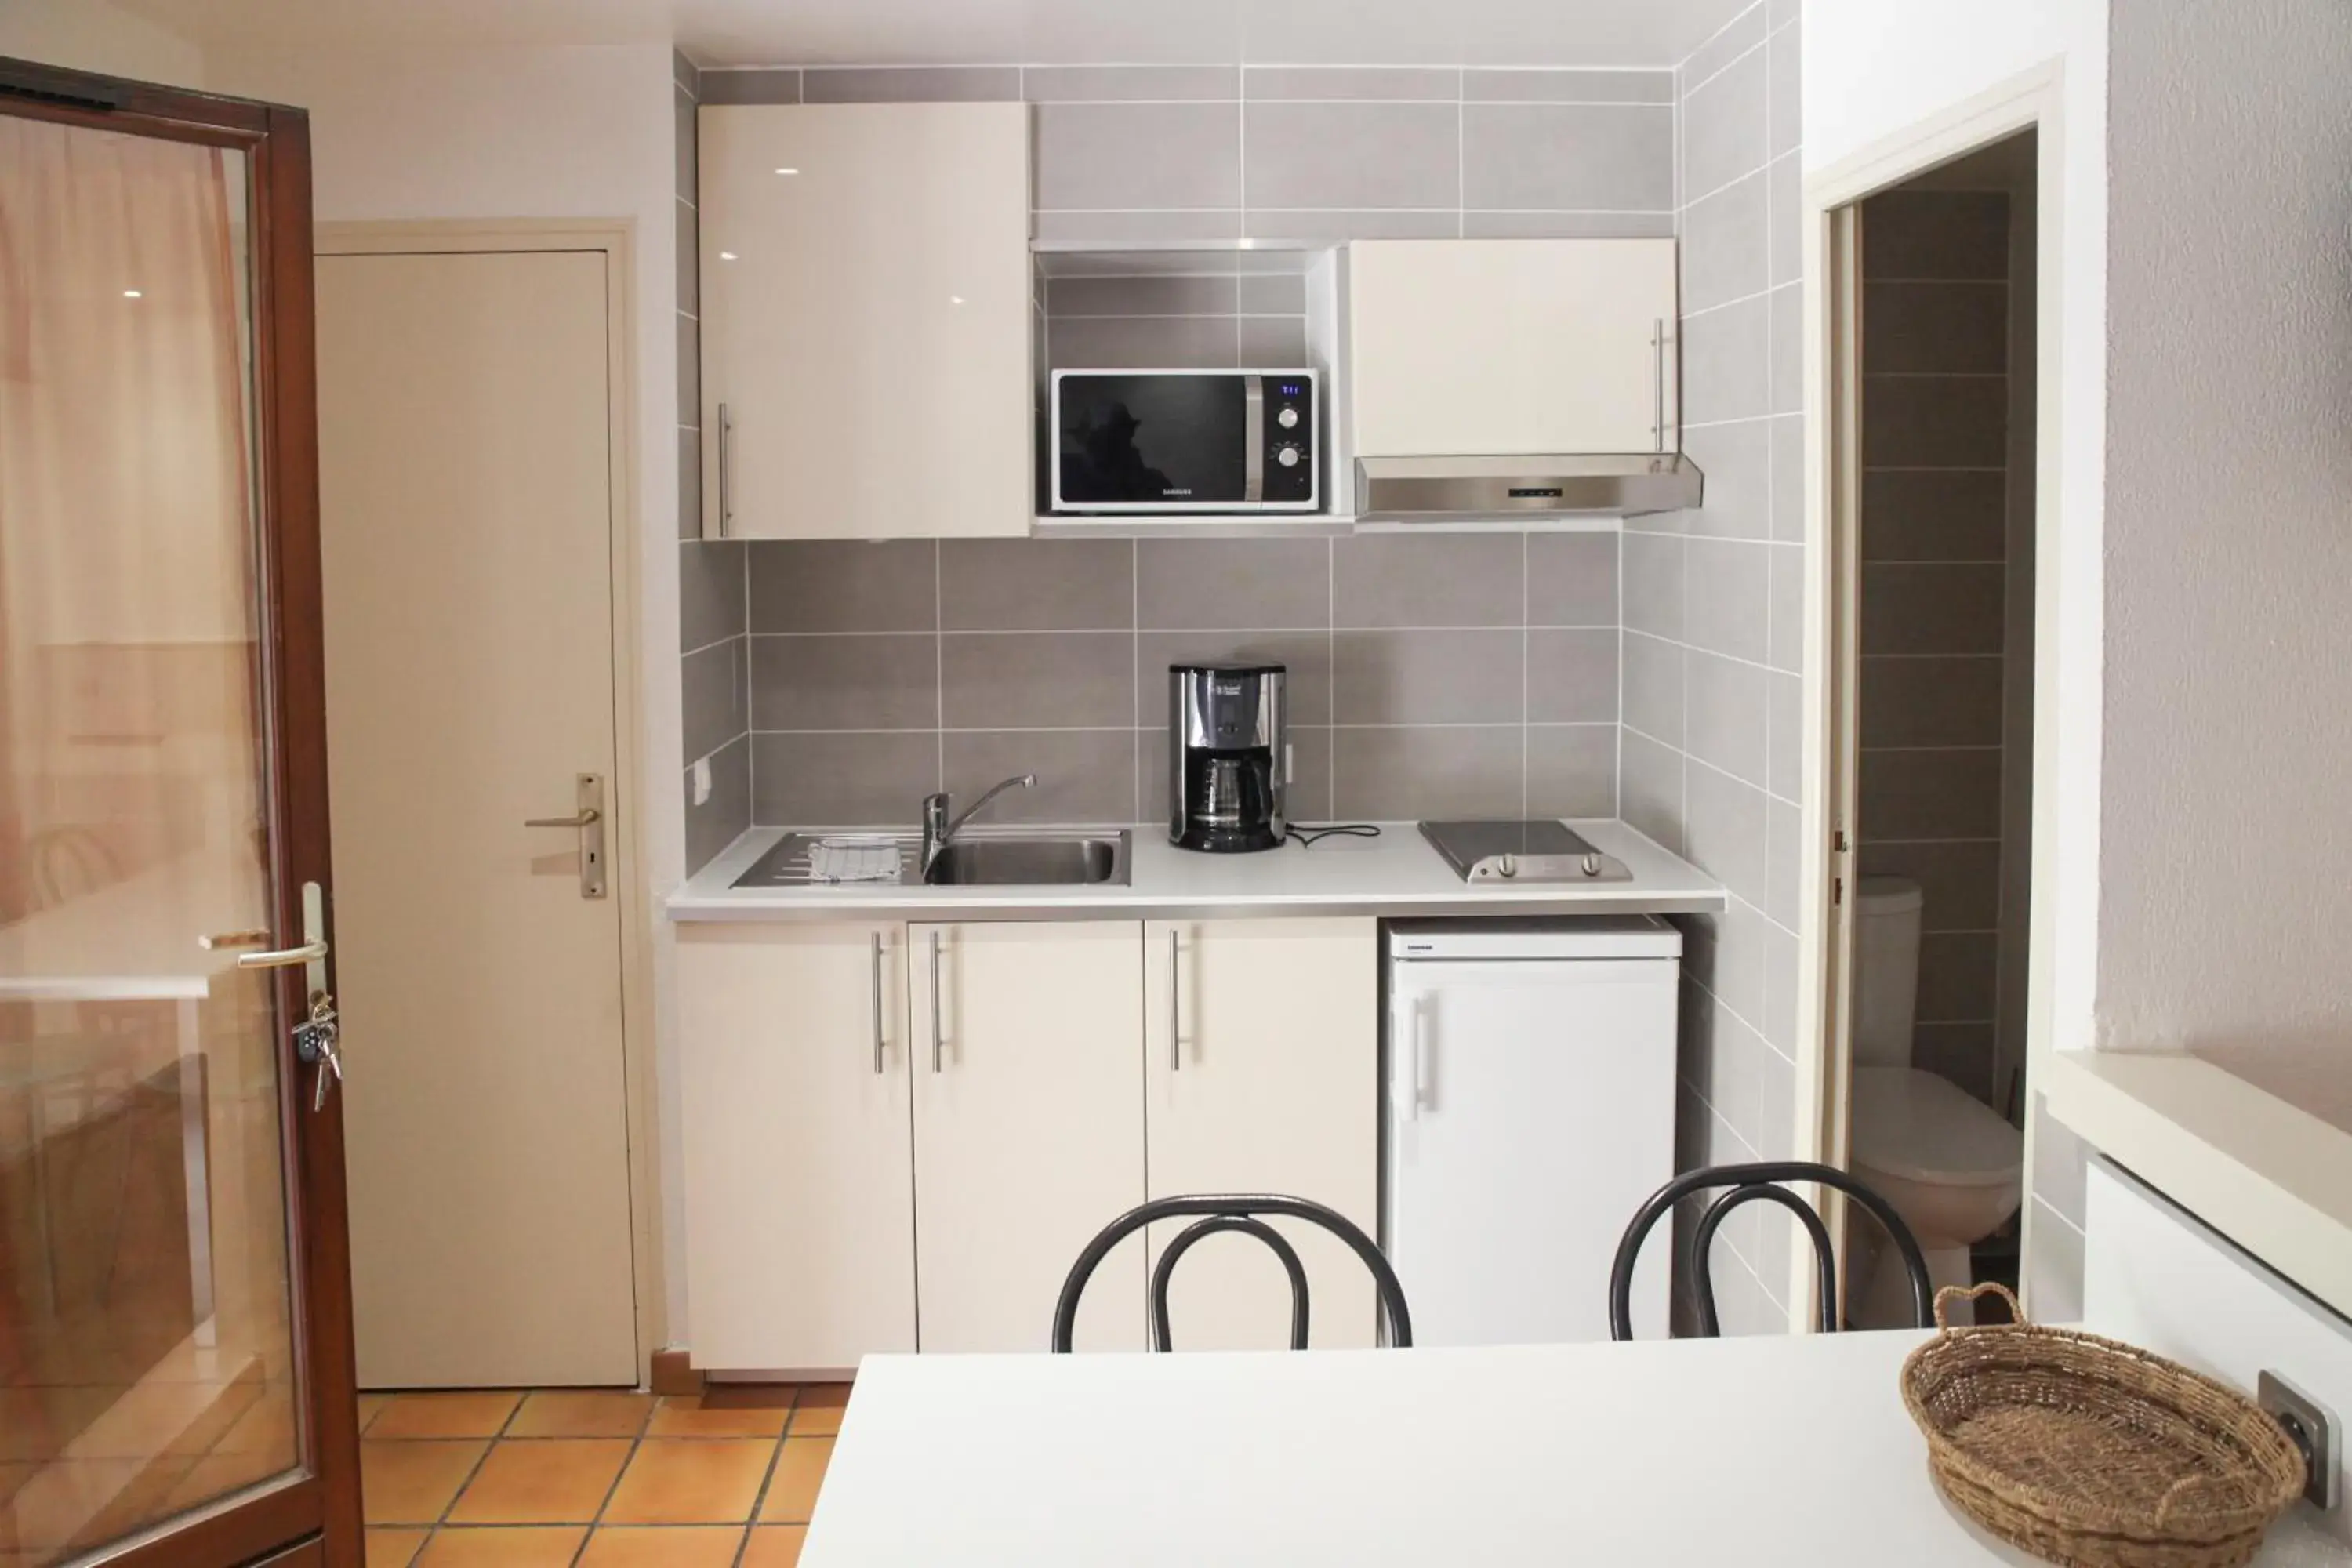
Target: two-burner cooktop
1513, 851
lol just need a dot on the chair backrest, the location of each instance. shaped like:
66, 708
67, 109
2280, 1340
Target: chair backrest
1753, 1184
1237, 1213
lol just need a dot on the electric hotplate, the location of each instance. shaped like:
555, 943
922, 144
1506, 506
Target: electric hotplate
1504, 850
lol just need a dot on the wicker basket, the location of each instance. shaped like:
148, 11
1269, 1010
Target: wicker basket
2095, 1454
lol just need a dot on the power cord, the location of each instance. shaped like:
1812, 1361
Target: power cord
1309, 837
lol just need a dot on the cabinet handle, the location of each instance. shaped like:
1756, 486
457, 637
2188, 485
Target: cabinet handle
1175, 1004
936, 1031
878, 1004
1658, 382
726, 471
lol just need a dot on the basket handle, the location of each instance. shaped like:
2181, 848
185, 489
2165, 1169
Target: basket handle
1950, 1293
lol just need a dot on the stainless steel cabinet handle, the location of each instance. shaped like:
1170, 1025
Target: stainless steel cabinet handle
1658, 381
725, 470
937, 1031
1175, 1004
878, 1004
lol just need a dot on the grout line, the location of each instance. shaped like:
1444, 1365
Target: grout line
1268, 631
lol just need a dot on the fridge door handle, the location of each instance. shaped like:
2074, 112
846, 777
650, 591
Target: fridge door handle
1407, 1093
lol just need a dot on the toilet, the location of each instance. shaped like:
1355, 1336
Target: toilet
1949, 1164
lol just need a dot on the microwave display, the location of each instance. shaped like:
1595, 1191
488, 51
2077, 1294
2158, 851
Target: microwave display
1184, 440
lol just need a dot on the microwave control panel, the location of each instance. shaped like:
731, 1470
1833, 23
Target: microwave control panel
1289, 459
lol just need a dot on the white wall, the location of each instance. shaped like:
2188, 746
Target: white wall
2227, 869
584, 131
97, 36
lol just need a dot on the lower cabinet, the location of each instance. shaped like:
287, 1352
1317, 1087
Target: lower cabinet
1028, 1130
1261, 1052
901, 1137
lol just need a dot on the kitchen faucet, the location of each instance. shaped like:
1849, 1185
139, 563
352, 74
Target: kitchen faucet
938, 832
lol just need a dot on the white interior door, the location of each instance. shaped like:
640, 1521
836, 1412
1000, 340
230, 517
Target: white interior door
1545, 1117
1028, 1058
1262, 1069
463, 415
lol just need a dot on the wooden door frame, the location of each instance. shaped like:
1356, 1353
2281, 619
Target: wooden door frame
2032, 100
615, 239
321, 1502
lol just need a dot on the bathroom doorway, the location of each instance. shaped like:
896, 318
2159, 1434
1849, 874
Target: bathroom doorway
1932, 551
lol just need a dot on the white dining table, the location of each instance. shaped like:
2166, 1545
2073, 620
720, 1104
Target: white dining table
1785, 1450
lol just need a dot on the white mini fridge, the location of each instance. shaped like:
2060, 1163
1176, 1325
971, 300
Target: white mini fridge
1531, 1112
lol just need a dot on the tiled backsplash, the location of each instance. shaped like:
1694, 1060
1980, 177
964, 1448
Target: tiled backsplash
1193, 311
1463, 673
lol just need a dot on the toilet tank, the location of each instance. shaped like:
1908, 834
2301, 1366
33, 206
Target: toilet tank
1885, 969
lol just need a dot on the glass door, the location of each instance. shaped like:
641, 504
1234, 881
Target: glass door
176, 1378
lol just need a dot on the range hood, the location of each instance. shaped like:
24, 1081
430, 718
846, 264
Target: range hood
1524, 489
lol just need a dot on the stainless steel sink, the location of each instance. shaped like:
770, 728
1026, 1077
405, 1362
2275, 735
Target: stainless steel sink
1008, 860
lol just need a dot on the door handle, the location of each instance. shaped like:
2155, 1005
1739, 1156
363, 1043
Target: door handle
283, 957
588, 821
311, 954
1407, 1094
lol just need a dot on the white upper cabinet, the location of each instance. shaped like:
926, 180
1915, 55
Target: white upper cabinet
866, 321
1499, 347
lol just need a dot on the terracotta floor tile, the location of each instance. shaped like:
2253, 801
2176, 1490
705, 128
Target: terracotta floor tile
690, 1482
371, 1407
686, 1418
771, 1546
819, 1412
663, 1546
412, 1483
555, 1480
800, 1471
581, 1413
394, 1548
494, 1548
749, 1396
444, 1416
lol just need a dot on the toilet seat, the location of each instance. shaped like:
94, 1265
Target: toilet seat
1922, 1128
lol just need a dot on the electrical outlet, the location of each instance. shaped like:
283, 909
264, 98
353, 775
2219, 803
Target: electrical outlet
2314, 1430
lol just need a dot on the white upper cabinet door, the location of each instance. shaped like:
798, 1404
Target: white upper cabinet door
1028, 1129
1262, 1075
1498, 347
866, 321
797, 1144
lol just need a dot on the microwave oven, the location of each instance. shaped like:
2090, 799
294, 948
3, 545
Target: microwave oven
1185, 441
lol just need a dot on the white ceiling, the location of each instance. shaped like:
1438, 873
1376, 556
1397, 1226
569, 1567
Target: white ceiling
932, 32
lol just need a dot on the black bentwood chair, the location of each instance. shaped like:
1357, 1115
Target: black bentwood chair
1748, 1183
1235, 1212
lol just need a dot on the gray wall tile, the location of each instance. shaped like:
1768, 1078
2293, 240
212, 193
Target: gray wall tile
1932, 702
1336, 226
1960, 883
720, 819
1784, 198
1305, 656
1784, 772
1362, 82
1135, 156
709, 593
1007, 681
1572, 676
1787, 609
1401, 774
1789, 477
1725, 830
1273, 295
1080, 84
1958, 973
1036, 584
1784, 837
1930, 794
1191, 585
690, 371
760, 86
1134, 343
1138, 227
1736, 37
1083, 776
1366, 155
1456, 580
842, 781
1653, 688
689, 484
1788, 349
1655, 570
884, 682
687, 189
1908, 609
844, 585
1725, 362
1567, 225
1724, 245
1723, 128
1923, 327
1935, 422
912, 84
1726, 723
689, 275
1572, 579
1273, 340
1728, 598
1736, 460
1171, 295
1572, 770
714, 691
1513, 85
1651, 788
1934, 516
1960, 1052
1784, 113
1938, 234
1427, 678
1567, 156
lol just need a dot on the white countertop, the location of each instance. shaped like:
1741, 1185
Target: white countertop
1397, 874
1790, 1450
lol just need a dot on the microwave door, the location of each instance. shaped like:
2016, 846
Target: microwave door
1158, 441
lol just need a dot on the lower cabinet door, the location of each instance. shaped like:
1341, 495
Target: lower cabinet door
1028, 1076
797, 1145
1262, 1074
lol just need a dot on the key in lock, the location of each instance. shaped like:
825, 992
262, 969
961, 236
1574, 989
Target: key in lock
315, 1042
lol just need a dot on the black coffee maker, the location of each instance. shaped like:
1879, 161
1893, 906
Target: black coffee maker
1226, 756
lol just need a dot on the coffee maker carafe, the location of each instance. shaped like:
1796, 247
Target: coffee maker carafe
1227, 755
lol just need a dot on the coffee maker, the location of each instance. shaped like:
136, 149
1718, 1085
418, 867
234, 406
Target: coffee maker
1226, 756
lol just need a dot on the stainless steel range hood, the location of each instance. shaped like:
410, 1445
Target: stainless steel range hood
1524, 489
